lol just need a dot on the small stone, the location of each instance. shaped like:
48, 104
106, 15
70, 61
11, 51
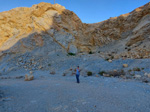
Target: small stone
115, 70
137, 76
109, 60
145, 74
97, 75
26, 77
106, 75
125, 65
40, 67
148, 75
31, 72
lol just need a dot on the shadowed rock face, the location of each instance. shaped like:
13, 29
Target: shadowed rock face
52, 27
43, 19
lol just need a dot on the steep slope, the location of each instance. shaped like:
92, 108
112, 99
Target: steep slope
132, 31
23, 29
34, 38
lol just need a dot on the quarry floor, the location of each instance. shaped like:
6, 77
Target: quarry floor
57, 93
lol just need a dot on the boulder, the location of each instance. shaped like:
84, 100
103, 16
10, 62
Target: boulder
26, 77
73, 49
29, 78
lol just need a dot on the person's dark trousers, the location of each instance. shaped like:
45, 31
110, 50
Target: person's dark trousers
77, 77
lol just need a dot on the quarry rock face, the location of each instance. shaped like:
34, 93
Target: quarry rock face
24, 29
35, 37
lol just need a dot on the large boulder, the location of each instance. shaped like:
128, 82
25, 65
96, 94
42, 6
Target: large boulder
73, 49
29, 77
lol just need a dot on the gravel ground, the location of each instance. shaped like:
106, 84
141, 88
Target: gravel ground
55, 93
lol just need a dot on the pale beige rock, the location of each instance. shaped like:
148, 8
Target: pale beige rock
137, 76
145, 74
148, 75
29, 77
31, 72
125, 65
110, 60
106, 75
26, 77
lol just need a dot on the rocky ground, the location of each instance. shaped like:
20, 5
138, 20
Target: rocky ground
57, 93
90, 64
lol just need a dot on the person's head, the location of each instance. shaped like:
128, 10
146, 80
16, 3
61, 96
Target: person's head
77, 66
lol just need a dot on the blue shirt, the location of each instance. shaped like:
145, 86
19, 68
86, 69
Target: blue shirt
77, 72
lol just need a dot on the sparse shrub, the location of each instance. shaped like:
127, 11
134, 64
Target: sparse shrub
136, 69
106, 59
64, 74
145, 81
99, 51
52, 72
49, 64
129, 49
71, 54
112, 57
90, 52
142, 68
130, 70
116, 73
89, 73
101, 73
70, 69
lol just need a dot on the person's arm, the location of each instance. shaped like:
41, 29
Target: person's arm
79, 70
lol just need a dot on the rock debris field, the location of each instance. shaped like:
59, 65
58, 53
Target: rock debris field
57, 93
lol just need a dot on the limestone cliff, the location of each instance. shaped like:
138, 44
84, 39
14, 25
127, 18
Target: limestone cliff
24, 29
52, 27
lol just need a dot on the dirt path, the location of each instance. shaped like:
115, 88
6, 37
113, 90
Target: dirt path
62, 94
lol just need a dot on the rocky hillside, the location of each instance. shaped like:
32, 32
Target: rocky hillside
25, 29
127, 36
34, 37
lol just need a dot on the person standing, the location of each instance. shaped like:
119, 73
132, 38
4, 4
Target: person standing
77, 74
